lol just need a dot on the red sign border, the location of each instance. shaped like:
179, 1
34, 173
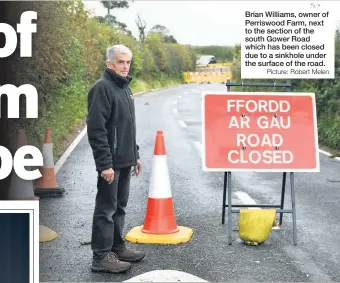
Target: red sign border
316, 138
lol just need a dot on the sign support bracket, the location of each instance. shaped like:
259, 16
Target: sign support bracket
227, 189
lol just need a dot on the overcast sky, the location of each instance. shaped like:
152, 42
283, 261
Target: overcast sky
199, 22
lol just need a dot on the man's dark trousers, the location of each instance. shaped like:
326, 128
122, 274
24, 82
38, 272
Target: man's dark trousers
109, 213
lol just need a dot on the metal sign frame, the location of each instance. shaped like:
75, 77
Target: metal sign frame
227, 188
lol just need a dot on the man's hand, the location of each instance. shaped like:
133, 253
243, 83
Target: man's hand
108, 175
137, 169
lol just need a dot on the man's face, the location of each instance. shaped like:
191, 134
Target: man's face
121, 64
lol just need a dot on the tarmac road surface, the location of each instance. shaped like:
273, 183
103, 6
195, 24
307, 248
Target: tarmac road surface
197, 199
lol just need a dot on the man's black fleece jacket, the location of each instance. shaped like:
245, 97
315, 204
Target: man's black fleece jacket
111, 123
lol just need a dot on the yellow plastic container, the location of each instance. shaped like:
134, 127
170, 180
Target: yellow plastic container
255, 225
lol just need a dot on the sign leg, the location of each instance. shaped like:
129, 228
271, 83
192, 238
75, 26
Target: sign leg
224, 196
230, 225
284, 177
292, 187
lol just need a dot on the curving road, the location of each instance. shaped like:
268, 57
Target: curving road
197, 199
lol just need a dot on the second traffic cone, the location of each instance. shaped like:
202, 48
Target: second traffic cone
47, 185
21, 189
160, 225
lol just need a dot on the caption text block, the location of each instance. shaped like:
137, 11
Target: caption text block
295, 41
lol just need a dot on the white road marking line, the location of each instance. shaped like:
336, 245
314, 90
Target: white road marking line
198, 145
324, 152
182, 123
174, 110
174, 102
246, 199
180, 96
69, 150
147, 94
328, 154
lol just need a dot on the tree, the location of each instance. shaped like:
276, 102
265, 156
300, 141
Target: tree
164, 34
112, 20
110, 5
141, 28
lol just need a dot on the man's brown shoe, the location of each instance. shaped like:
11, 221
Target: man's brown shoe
110, 263
130, 255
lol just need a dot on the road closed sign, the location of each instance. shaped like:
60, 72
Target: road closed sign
259, 132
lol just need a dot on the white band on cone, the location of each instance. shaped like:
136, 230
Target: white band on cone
48, 155
160, 182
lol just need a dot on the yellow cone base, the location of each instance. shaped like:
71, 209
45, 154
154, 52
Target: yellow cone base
46, 234
136, 235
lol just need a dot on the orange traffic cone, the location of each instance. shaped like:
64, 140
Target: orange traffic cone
21, 189
160, 216
160, 225
47, 184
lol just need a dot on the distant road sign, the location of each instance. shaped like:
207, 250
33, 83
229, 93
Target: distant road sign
259, 132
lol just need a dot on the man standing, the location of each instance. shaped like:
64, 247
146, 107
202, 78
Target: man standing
111, 129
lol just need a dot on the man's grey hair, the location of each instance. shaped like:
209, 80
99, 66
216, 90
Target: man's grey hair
119, 48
